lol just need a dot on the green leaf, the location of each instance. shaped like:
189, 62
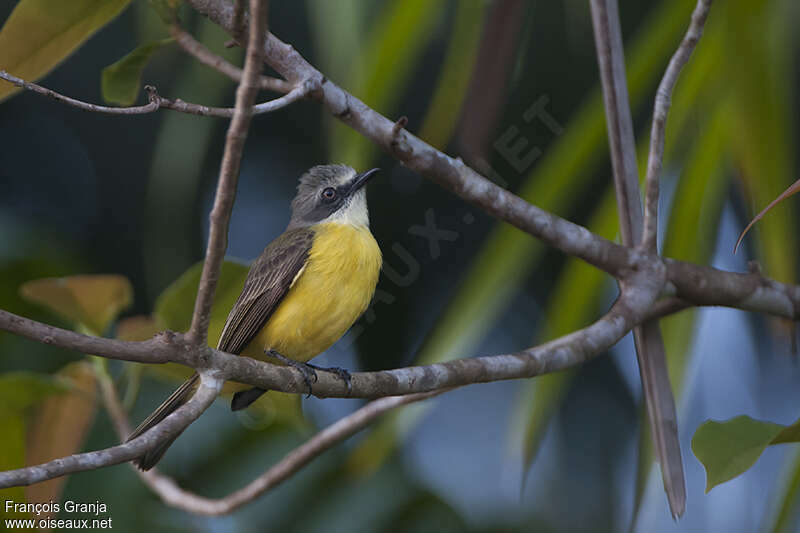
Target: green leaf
12, 455
91, 301
40, 34
174, 307
20, 390
763, 140
121, 81
451, 88
727, 449
788, 434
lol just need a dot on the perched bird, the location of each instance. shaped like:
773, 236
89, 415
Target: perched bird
305, 290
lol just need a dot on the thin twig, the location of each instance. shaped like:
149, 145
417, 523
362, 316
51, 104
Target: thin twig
229, 173
661, 108
152, 106
196, 49
159, 102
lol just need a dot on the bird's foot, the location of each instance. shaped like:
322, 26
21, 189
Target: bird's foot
310, 371
309, 374
343, 374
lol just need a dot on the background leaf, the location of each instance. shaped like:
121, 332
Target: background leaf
729, 448
174, 307
40, 34
59, 426
18, 392
121, 81
383, 70
93, 301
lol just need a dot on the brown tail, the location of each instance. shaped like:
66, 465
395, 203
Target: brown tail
178, 398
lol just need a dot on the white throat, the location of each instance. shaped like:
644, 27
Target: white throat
355, 213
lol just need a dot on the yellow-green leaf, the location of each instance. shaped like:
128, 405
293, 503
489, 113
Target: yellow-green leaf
137, 328
451, 88
39, 34
121, 81
12, 455
92, 301
729, 448
20, 390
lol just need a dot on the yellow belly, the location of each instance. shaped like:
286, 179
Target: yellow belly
332, 291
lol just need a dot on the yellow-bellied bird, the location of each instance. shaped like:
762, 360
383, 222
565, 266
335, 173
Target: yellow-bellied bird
305, 290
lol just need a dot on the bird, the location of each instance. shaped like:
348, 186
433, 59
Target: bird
302, 293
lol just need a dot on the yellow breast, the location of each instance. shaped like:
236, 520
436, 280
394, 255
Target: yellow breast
330, 293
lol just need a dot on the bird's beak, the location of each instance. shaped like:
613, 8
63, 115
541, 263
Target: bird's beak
361, 179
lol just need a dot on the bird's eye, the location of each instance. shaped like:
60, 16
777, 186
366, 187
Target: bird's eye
329, 193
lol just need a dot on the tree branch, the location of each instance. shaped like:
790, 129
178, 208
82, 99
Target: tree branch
660, 110
157, 101
638, 294
229, 174
172, 494
196, 49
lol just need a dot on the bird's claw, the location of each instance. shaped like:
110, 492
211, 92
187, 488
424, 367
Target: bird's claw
309, 371
343, 374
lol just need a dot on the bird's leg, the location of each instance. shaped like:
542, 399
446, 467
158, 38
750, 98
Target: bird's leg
307, 370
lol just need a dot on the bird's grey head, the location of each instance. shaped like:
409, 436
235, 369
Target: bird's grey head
331, 193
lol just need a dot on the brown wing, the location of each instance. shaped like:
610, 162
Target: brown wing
268, 281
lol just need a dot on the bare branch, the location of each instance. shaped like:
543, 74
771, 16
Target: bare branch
135, 110
558, 354
695, 285
638, 295
159, 102
172, 425
196, 49
229, 174
172, 494
660, 110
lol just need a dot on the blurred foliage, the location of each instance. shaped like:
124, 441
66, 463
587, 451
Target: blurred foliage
91, 302
121, 81
40, 34
731, 141
59, 426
